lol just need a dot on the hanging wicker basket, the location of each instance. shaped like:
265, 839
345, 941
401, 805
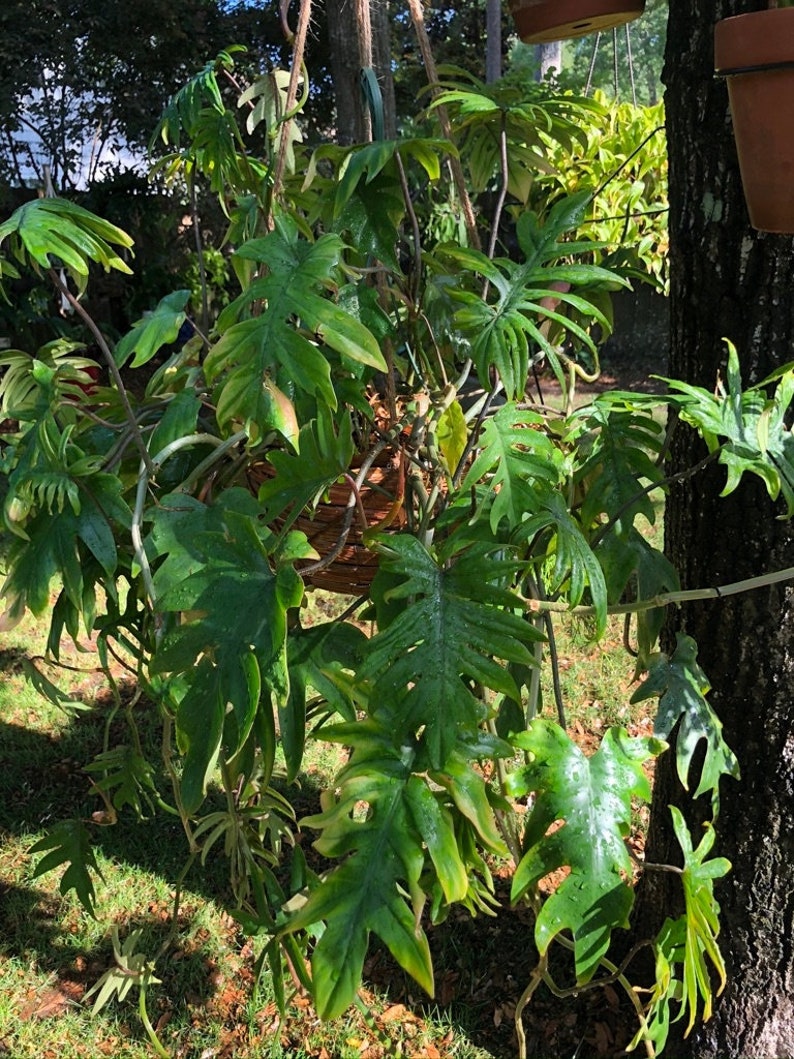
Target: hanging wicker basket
353, 565
543, 21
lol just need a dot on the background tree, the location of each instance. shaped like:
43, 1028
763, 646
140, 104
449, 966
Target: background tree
341, 24
728, 280
77, 77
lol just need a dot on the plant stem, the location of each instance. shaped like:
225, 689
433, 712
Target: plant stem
299, 45
112, 367
665, 599
535, 979
150, 1030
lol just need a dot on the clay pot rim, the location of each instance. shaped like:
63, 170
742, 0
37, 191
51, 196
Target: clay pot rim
754, 42
541, 21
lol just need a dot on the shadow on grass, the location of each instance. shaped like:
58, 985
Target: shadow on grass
67, 970
482, 964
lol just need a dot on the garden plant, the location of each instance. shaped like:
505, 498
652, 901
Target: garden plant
388, 342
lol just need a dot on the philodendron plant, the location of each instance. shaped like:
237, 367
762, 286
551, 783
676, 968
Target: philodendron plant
359, 331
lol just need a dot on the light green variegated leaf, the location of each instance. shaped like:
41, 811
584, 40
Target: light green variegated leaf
749, 430
687, 952
591, 797
51, 231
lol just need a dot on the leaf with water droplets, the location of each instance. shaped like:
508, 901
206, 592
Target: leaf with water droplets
580, 820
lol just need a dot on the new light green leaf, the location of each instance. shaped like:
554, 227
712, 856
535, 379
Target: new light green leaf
749, 430
47, 232
687, 952
592, 797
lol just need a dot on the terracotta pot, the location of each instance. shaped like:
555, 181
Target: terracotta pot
755, 52
541, 21
352, 570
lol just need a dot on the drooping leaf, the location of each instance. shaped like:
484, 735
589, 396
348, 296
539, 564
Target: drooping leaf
574, 564
522, 463
685, 947
131, 969
366, 822
325, 451
629, 557
283, 337
231, 640
681, 686
590, 800
618, 444
53, 231
58, 541
122, 774
318, 658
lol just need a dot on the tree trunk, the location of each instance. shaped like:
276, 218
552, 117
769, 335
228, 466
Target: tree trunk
352, 122
729, 281
549, 57
493, 40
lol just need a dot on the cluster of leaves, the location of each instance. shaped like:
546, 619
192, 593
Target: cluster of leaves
624, 162
506, 512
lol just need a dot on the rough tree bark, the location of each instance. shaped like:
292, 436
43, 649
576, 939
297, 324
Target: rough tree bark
728, 280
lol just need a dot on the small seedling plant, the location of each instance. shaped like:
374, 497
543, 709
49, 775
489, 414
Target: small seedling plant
361, 330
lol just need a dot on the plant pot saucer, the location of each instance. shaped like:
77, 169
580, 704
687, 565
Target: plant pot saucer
543, 21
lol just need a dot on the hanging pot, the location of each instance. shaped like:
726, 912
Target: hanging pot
755, 53
542, 21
